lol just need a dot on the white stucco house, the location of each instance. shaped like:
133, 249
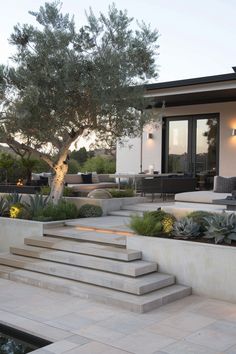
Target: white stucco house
196, 134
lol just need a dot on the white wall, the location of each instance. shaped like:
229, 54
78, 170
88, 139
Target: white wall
128, 156
128, 159
209, 269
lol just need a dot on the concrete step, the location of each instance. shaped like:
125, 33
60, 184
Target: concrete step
130, 302
87, 235
133, 269
112, 224
5, 271
141, 285
94, 249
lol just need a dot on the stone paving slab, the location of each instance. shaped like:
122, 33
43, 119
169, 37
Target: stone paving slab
183, 327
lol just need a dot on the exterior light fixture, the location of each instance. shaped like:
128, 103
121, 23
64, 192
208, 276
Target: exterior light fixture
233, 132
150, 135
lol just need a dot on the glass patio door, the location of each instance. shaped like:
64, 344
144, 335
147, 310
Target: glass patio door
191, 144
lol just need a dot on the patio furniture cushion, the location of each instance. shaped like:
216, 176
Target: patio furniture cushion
87, 178
73, 178
200, 196
224, 184
83, 187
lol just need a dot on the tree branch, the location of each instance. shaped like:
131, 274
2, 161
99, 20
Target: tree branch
12, 142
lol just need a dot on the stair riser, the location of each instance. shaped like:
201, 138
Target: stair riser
166, 300
89, 277
84, 249
106, 265
126, 305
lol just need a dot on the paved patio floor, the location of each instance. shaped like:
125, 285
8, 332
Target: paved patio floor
194, 325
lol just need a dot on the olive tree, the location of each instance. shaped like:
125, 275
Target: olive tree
65, 83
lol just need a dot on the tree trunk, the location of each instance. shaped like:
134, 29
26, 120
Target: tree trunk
57, 186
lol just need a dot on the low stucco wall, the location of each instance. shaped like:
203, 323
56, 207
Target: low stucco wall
13, 231
106, 204
209, 269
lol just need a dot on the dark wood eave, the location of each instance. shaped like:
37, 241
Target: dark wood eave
203, 90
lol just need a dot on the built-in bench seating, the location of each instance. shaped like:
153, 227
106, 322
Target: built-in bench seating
99, 181
223, 187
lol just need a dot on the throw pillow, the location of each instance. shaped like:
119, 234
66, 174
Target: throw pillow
224, 184
87, 178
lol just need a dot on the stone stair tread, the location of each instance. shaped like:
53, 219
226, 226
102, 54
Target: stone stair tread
134, 268
143, 303
115, 224
99, 250
126, 213
87, 235
139, 285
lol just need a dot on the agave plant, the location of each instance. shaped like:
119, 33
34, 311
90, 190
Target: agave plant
36, 203
13, 198
221, 227
186, 228
3, 206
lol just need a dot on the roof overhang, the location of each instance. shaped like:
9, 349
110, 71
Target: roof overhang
211, 89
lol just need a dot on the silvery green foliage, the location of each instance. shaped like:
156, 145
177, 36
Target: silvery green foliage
36, 203
221, 227
186, 228
13, 198
11, 346
3, 206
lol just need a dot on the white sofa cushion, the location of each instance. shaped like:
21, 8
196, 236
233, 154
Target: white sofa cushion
200, 196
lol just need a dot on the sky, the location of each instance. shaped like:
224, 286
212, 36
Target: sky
197, 37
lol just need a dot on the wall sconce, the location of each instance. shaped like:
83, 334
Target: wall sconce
150, 135
233, 132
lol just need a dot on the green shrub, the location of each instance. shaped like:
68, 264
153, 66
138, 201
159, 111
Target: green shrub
90, 210
73, 166
45, 190
199, 216
121, 193
100, 165
153, 223
61, 211
67, 191
145, 225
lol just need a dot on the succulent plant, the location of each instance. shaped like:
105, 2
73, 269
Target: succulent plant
221, 227
3, 207
186, 228
13, 198
199, 216
35, 204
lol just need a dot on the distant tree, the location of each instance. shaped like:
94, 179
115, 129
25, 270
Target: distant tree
66, 83
80, 155
99, 164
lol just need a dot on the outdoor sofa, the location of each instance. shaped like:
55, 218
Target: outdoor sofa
84, 183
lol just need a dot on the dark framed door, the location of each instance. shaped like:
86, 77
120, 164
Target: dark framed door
191, 144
